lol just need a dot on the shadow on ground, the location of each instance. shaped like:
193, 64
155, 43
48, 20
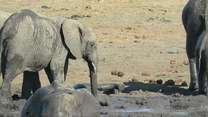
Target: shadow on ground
160, 88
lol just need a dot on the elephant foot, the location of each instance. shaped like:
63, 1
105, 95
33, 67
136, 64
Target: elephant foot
193, 86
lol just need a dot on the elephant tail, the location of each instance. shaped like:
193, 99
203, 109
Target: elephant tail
206, 15
200, 48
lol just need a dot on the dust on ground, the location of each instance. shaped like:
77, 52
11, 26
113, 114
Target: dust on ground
144, 39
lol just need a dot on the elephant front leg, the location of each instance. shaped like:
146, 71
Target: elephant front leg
193, 74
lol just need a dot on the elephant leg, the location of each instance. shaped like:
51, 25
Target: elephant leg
10, 69
36, 82
66, 68
31, 82
49, 74
202, 77
193, 74
190, 49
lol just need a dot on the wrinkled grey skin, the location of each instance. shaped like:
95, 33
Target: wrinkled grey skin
31, 43
193, 17
89, 54
202, 62
61, 102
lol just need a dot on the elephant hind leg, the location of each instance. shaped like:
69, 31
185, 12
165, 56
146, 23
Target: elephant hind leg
11, 68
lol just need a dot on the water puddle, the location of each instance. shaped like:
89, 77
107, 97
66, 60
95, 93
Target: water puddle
151, 110
15, 113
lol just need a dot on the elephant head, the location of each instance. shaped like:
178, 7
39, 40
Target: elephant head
80, 41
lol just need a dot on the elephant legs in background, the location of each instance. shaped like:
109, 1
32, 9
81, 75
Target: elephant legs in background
31, 82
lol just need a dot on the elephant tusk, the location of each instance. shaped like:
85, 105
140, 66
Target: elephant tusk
94, 67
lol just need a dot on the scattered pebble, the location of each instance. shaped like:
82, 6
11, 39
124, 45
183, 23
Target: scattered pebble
114, 72
120, 74
145, 74
186, 62
170, 82
159, 81
88, 7
184, 83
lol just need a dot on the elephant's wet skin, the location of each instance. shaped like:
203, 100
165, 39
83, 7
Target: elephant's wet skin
52, 102
194, 17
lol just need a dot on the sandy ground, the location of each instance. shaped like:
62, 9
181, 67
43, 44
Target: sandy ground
144, 39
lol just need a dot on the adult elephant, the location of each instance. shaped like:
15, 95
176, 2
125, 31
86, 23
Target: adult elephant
31, 43
194, 17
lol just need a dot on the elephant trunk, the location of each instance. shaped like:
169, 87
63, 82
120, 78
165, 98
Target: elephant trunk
93, 77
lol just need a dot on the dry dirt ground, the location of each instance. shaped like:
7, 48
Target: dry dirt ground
144, 39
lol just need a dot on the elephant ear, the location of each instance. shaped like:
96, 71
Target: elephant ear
72, 37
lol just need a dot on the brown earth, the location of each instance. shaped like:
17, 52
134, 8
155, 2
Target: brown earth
143, 39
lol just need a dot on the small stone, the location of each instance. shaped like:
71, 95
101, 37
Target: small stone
120, 74
114, 72
184, 83
159, 81
186, 62
170, 82
145, 74
88, 7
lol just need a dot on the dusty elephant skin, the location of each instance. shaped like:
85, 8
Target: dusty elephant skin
36, 43
81, 44
50, 102
194, 18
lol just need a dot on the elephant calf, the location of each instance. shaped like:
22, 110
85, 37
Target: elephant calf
61, 102
201, 51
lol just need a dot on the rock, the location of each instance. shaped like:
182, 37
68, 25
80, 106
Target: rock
150, 80
186, 62
120, 74
145, 74
159, 81
184, 83
114, 72
170, 82
88, 7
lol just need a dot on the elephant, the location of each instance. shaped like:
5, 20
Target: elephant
194, 18
31, 43
55, 101
201, 52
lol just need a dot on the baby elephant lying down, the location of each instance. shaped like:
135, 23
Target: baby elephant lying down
56, 101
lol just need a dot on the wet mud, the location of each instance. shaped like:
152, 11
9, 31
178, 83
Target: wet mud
141, 99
